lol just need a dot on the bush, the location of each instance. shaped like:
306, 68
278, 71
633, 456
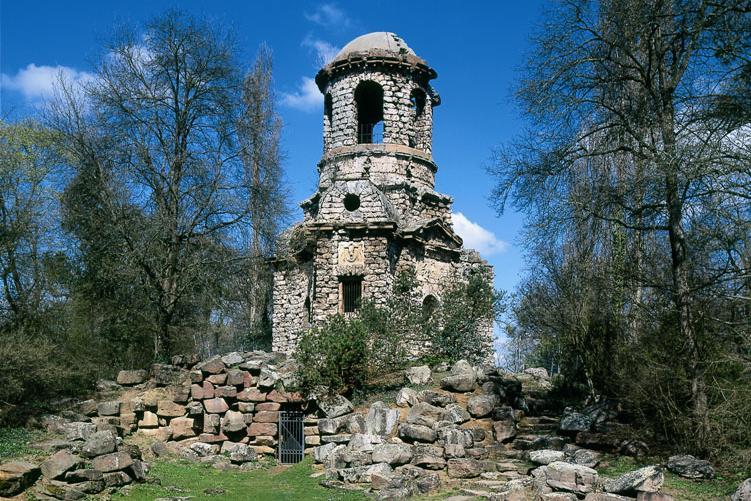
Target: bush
347, 354
334, 355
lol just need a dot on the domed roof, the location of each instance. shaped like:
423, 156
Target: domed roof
381, 41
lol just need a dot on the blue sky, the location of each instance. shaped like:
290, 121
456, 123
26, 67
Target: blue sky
476, 49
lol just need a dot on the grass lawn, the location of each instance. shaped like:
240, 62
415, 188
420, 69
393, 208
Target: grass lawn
182, 478
720, 487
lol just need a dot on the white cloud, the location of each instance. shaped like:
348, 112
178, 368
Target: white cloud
37, 83
307, 97
476, 237
329, 15
325, 51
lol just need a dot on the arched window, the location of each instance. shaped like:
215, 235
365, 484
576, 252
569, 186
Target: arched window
429, 306
369, 101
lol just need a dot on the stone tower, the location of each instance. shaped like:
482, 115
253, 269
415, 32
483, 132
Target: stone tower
375, 211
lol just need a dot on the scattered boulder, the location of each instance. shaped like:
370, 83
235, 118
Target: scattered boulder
16, 477
59, 463
464, 468
406, 397
688, 466
586, 457
334, 406
111, 408
456, 414
546, 456
112, 462
381, 420
132, 377
436, 398
393, 454
573, 421
428, 456
462, 378
418, 375
416, 433
231, 359
743, 493
570, 477
504, 431
480, 406
99, 443
239, 453
647, 479
425, 414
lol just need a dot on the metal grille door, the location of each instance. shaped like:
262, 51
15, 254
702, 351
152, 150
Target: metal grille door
291, 437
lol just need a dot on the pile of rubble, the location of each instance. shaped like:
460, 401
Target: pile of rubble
98, 463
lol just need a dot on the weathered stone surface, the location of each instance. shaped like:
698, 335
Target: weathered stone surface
416, 432
61, 490
267, 378
571, 477
150, 420
83, 475
480, 406
182, 427
418, 375
436, 398
233, 421
101, 442
132, 377
605, 496
464, 468
381, 420
251, 395
111, 408
112, 462
393, 454
168, 408
268, 406
406, 397
79, 430
428, 456
425, 414
546, 456
537, 372
236, 377
690, 467
363, 474
647, 479
503, 431
266, 417
215, 405
231, 359
116, 479
262, 429
462, 378
225, 391
217, 379
239, 453
586, 457
16, 477
321, 453
743, 493
203, 449
456, 414
335, 406
212, 366
573, 421
60, 462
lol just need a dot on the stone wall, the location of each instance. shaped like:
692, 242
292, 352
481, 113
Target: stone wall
401, 125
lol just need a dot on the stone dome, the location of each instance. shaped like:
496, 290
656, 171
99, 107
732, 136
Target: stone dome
378, 41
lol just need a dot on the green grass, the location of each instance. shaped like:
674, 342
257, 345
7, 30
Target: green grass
14, 443
202, 482
720, 487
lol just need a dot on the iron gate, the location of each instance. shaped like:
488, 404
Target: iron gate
291, 437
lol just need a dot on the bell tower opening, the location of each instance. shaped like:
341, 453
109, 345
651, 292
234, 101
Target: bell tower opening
369, 101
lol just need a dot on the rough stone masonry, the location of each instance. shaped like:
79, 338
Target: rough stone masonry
375, 212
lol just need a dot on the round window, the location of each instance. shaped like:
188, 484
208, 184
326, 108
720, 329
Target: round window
351, 202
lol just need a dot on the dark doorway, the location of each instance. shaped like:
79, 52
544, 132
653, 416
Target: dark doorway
291, 436
351, 294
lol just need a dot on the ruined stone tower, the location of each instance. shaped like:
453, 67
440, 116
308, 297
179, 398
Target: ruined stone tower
376, 211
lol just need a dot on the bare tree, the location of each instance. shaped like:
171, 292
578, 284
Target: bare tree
621, 150
157, 129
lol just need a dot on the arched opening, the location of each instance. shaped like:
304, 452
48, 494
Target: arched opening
429, 306
369, 101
